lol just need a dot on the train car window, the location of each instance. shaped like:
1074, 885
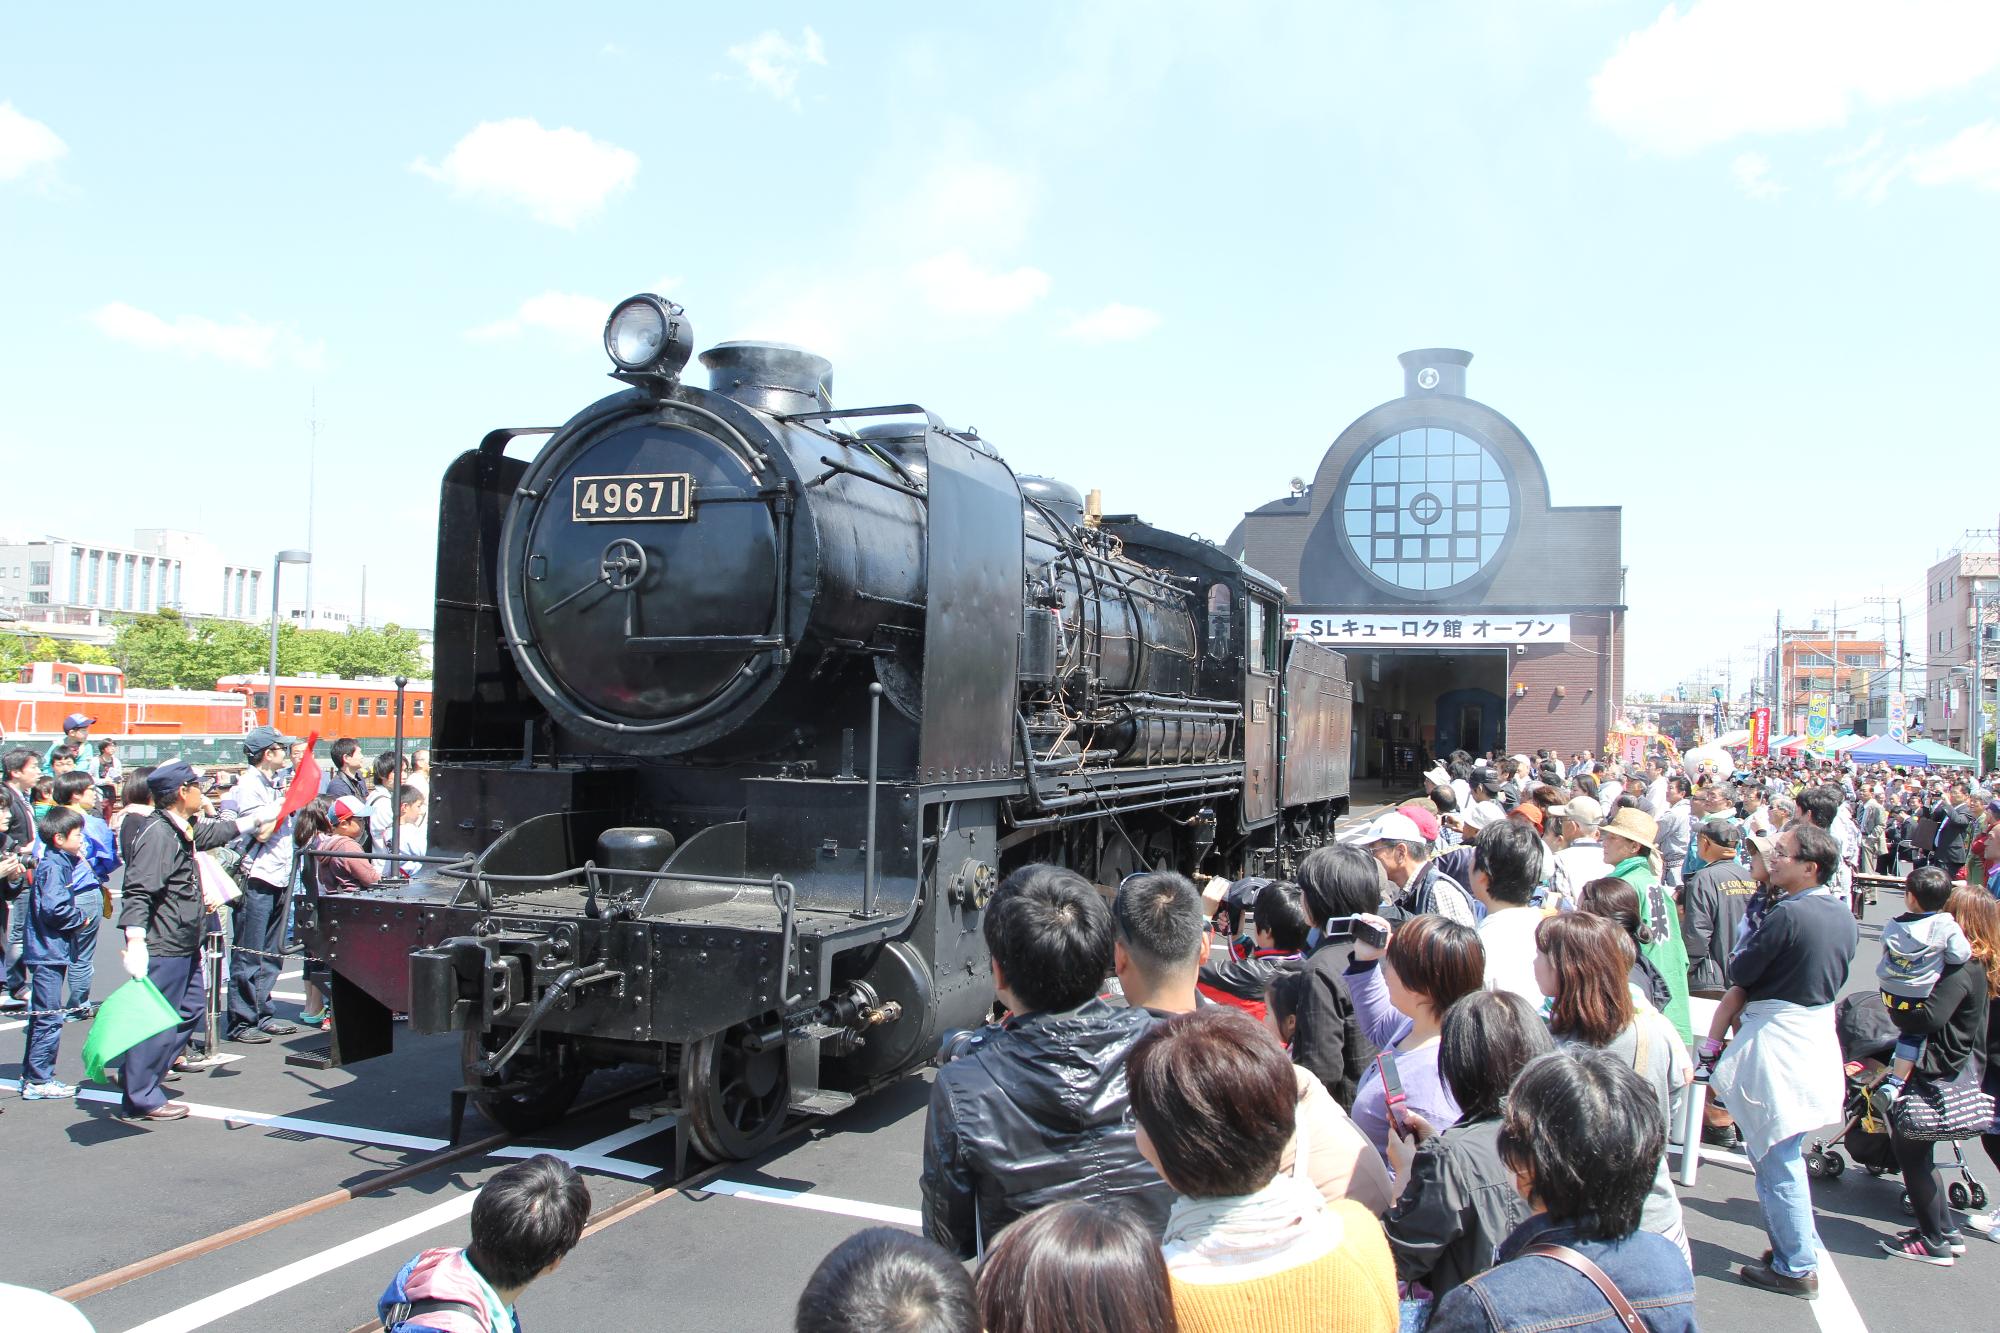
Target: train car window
312, 704
1254, 634
381, 707
1219, 606
417, 706
262, 699
1263, 640
75, 683
298, 703
281, 704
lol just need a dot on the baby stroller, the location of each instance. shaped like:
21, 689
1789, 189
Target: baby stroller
1867, 1040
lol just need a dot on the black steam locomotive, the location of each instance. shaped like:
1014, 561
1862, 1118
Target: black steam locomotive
743, 705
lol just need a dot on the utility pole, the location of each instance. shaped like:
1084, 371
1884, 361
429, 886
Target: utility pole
312, 488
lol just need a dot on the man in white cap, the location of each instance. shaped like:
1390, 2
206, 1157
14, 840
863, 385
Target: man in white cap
1579, 852
267, 873
1395, 841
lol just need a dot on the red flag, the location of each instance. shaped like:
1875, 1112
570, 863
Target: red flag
305, 782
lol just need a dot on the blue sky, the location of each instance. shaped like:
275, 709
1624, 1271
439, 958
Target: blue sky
1729, 264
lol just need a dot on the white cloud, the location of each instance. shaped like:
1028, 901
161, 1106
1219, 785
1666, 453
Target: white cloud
1970, 158
956, 285
241, 342
25, 143
1753, 176
560, 176
1721, 69
1113, 323
773, 61
973, 203
563, 313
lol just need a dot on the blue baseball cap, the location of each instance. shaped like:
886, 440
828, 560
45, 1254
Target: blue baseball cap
77, 721
166, 781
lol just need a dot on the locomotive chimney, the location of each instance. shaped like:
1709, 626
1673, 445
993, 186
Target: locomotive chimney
1430, 371
771, 377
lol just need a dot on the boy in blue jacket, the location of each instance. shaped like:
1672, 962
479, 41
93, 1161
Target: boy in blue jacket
47, 946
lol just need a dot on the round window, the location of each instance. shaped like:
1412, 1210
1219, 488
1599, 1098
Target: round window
1427, 509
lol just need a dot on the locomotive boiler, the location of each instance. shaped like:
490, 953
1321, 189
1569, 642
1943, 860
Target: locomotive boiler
744, 702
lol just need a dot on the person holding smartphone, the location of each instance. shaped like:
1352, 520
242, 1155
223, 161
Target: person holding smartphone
1401, 992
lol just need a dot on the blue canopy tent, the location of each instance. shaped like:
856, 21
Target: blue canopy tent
1883, 750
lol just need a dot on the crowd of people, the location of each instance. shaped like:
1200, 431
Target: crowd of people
182, 861
1430, 1080
1435, 1079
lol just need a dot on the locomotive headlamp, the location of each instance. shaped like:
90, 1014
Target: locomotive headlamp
647, 335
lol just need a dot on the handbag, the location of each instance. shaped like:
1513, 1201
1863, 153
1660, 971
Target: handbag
1938, 1113
1608, 1289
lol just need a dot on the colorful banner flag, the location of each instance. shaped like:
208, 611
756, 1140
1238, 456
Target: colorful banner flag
1760, 733
305, 782
1819, 722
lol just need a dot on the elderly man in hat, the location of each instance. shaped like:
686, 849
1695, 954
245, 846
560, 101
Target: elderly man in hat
76, 735
1631, 840
267, 891
161, 915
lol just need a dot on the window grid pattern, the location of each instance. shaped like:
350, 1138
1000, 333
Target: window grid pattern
1427, 508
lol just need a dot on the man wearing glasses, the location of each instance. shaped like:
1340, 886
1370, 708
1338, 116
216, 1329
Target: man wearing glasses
1781, 1076
162, 915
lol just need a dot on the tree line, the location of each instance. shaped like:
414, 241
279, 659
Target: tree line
170, 651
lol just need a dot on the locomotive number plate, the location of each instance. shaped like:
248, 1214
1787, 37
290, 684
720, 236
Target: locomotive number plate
629, 498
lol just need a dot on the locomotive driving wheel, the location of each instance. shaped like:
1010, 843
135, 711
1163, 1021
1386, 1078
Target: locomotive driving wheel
735, 1098
533, 1092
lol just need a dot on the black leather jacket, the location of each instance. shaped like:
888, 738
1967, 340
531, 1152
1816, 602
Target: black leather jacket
1327, 1038
1031, 1114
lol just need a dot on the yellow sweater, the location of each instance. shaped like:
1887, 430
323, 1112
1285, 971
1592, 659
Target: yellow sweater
1349, 1289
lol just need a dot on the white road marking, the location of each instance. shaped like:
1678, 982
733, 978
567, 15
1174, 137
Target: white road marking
1835, 1309
381, 1138
819, 1203
246, 1294
596, 1155
289, 996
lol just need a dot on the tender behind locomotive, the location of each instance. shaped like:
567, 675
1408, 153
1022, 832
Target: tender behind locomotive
743, 705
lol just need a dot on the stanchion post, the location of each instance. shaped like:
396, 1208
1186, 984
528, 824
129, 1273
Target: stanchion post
396, 797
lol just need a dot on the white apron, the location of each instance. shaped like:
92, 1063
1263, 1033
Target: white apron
1782, 1075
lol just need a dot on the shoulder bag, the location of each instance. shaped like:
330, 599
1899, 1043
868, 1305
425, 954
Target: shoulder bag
1929, 1112
1606, 1288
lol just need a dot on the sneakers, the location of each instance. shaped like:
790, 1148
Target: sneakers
250, 1036
47, 1092
1955, 1242
1984, 1224
1912, 1245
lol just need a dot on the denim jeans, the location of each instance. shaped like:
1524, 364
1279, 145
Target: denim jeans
44, 1034
260, 926
83, 945
1788, 1211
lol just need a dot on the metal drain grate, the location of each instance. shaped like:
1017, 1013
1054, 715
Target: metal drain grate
318, 1055
292, 1136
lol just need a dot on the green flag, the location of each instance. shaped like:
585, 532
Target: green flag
128, 1016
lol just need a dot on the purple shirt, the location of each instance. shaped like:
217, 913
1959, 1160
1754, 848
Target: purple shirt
1423, 1086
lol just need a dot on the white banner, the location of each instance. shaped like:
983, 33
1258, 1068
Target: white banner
1429, 629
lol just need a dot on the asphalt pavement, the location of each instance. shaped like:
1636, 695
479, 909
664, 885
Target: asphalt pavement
87, 1194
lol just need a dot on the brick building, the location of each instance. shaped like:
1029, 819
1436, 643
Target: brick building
1475, 612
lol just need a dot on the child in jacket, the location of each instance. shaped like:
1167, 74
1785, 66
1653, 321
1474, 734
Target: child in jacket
48, 944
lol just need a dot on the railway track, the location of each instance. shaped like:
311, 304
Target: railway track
379, 1183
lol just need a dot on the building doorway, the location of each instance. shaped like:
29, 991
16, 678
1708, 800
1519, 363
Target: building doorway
1412, 706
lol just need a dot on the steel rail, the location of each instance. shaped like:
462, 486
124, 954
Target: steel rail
386, 1180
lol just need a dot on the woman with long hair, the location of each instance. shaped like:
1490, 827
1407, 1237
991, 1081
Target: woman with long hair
1618, 901
1401, 994
1978, 915
1582, 964
1076, 1267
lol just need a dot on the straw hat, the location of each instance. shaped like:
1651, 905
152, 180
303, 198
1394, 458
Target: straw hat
1635, 826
